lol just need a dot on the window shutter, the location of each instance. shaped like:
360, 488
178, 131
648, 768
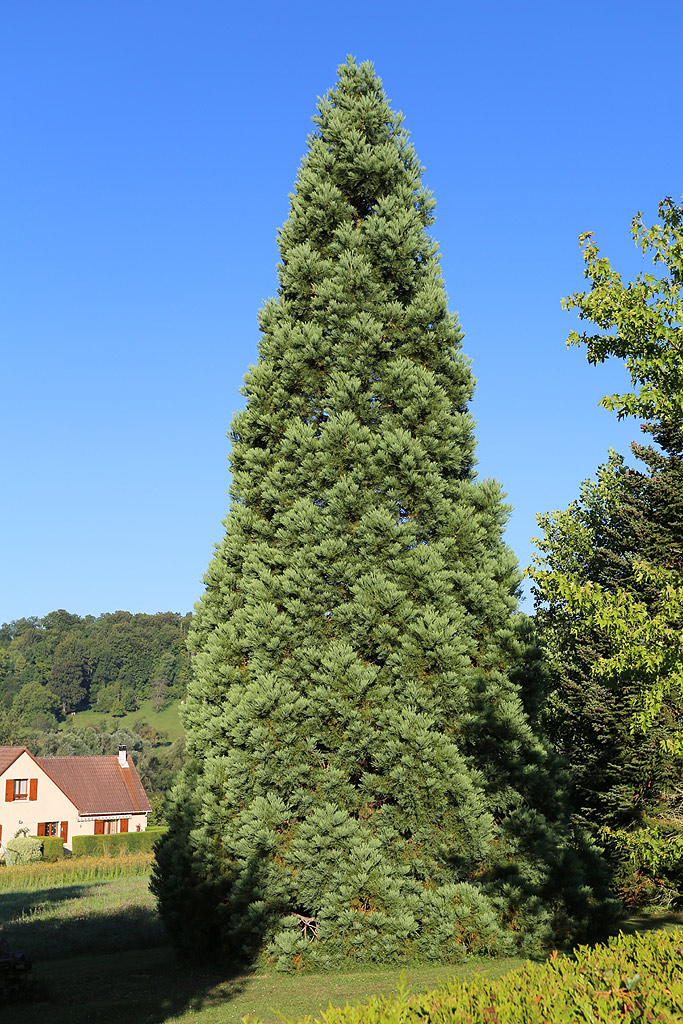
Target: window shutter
64, 831
123, 825
33, 789
9, 789
99, 828
41, 828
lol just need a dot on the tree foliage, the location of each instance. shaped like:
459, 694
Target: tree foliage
110, 663
364, 781
641, 321
609, 576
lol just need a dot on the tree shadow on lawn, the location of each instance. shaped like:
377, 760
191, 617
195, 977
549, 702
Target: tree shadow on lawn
135, 986
42, 938
95, 960
651, 921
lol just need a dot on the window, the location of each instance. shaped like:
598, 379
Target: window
107, 828
21, 789
48, 828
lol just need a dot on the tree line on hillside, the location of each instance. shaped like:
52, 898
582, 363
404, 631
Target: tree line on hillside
63, 663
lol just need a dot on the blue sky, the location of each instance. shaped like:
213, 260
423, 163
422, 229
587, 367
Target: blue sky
148, 151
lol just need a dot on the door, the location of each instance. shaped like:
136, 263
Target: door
64, 831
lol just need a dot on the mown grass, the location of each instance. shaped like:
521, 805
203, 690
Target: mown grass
98, 949
97, 946
150, 987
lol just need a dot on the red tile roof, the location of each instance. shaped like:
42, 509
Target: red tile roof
8, 755
98, 785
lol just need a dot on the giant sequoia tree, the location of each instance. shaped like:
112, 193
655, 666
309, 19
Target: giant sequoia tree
364, 781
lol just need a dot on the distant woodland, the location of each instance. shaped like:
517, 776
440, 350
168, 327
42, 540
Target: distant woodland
55, 666
63, 663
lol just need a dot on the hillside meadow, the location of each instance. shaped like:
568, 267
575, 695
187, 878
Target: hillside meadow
166, 721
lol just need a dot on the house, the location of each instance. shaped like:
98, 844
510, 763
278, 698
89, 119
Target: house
69, 796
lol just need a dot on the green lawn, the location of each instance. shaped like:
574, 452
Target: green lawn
166, 721
98, 949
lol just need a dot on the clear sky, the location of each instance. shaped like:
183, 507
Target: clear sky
148, 149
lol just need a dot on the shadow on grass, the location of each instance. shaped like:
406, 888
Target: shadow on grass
50, 923
651, 921
142, 986
93, 955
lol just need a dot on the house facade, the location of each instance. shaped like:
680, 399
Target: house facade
69, 796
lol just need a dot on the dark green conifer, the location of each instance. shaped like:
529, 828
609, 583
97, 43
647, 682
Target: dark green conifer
364, 781
626, 780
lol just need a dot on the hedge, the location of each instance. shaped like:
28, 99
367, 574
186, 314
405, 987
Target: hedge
114, 846
631, 978
53, 848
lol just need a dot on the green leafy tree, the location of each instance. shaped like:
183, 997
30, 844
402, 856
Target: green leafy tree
35, 701
609, 578
364, 781
641, 322
70, 675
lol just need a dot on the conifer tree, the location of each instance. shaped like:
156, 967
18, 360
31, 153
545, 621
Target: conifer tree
364, 782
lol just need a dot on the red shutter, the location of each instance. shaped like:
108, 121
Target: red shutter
33, 789
9, 789
64, 831
123, 825
41, 828
99, 828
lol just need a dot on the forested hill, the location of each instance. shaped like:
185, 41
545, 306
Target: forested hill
61, 663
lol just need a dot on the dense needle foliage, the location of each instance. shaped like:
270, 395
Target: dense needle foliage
365, 784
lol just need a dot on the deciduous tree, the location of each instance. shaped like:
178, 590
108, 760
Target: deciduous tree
609, 574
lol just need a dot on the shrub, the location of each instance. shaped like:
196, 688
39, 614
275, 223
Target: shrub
632, 977
114, 846
24, 850
53, 848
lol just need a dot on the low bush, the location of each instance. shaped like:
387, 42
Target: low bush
24, 850
53, 848
632, 978
114, 846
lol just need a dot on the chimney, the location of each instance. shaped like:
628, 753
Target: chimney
123, 760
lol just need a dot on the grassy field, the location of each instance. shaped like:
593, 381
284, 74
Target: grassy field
98, 948
166, 721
